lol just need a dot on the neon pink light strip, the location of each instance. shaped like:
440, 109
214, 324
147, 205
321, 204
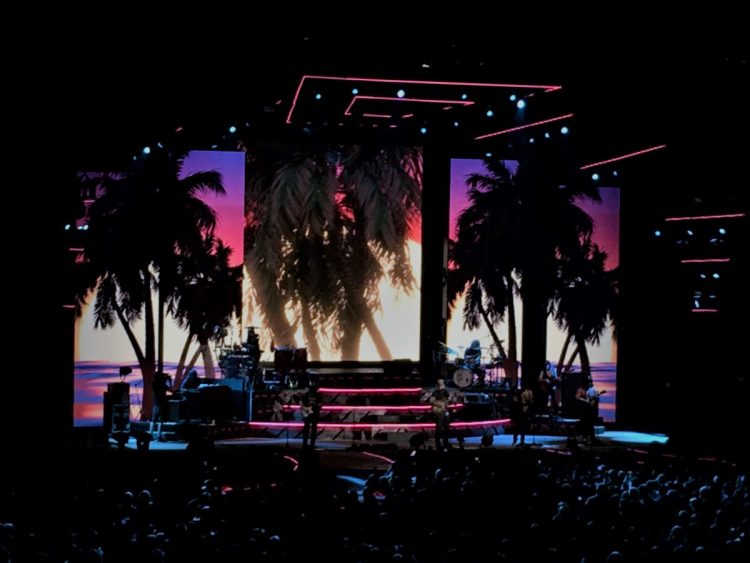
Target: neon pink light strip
704, 217
381, 115
704, 260
705, 310
407, 115
374, 391
504, 131
546, 88
383, 425
378, 456
345, 408
624, 156
293, 460
348, 110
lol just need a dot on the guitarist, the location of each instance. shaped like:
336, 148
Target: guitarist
439, 401
310, 407
587, 399
547, 388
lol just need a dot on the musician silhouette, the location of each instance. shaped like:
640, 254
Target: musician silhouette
439, 401
587, 401
473, 360
311, 403
520, 413
161, 386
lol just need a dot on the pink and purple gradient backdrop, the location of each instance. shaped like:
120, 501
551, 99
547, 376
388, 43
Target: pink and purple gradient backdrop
229, 208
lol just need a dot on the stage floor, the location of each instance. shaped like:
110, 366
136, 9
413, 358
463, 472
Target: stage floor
607, 439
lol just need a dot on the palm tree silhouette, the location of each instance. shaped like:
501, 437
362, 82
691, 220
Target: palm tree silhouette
325, 223
515, 227
585, 302
143, 224
482, 258
208, 293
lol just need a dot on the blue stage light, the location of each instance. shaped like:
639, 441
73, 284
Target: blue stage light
564, 130
520, 104
401, 93
595, 177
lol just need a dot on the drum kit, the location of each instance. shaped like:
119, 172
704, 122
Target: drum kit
468, 372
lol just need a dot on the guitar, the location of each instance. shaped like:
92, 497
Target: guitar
439, 407
440, 403
309, 406
593, 400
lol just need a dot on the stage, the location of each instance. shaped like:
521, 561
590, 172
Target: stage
606, 440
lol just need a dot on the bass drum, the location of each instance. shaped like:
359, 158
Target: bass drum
463, 377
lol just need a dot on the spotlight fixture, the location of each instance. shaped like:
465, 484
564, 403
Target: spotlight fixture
520, 104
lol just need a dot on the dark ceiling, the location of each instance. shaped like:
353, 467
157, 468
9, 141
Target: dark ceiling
630, 87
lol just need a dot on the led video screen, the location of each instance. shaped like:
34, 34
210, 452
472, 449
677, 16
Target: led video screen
484, 281
322, 246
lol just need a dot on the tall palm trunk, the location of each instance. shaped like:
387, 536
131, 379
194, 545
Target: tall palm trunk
573, 356
148, 367
511, 361
160, 354
308, 330
274, 312
377, 337
351, 335
180, 371
208, 360
583, 351
564, 352
491, 328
